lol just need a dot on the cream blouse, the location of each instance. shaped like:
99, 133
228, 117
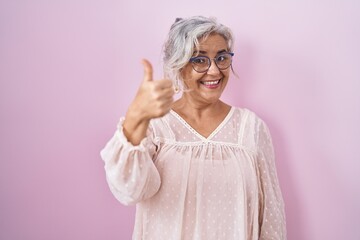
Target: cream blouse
186, 186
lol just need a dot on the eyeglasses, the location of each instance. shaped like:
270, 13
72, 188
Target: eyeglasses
202, 64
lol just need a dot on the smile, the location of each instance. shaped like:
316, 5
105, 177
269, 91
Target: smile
211, 84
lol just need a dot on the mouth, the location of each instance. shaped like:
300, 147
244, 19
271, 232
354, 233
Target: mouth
211, 84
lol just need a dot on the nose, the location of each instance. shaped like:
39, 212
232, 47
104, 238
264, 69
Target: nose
213, 69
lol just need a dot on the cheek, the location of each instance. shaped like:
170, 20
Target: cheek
189, 76
190, 81
226, 73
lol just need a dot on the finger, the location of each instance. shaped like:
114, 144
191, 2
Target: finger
167, 99
168, 92
148, 70
164, 83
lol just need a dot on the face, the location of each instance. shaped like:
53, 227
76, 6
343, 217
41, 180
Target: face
207, 87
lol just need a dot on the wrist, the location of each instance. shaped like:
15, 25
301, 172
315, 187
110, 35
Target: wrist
135, 126
135, 119
135, 114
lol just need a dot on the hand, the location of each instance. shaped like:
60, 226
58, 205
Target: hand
154, 98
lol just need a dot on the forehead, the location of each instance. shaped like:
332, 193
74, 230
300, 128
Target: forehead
213, 43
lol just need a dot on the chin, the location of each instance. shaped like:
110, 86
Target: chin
211, 98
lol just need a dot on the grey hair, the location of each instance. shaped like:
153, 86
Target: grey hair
184, 37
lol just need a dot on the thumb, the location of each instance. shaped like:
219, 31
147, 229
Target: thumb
148, 70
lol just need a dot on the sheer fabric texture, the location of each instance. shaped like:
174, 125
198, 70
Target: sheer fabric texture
187, 187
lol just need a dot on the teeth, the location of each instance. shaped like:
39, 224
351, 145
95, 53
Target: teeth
209, 83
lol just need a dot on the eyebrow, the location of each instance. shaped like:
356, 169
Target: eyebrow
204, 52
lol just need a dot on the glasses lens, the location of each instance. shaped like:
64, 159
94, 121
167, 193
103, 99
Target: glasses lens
223, 61
200, 64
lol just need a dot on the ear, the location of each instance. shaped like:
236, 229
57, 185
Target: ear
182, 73
183, 83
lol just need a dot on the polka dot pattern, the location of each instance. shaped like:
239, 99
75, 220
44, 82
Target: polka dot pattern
186, 186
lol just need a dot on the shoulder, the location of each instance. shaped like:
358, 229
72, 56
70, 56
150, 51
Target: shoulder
247, 115
160, 127
251, 124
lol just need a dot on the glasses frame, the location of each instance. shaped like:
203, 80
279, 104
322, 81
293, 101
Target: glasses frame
210, 61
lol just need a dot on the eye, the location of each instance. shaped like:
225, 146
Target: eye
199, 60
222, 58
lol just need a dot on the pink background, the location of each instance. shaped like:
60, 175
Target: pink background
69, 69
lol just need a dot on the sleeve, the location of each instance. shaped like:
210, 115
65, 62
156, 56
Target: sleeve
130, 171
272, 212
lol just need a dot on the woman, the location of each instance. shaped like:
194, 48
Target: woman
197, 168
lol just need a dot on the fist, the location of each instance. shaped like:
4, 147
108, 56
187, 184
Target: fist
154, 98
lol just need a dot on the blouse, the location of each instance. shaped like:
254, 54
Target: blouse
188, 187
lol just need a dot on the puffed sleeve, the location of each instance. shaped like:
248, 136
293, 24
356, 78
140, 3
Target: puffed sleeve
130, 171
272, 212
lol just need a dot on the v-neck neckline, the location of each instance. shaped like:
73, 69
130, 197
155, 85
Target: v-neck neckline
213, 133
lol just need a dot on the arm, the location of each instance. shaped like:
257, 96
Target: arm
130, 171
153, 100
272, 213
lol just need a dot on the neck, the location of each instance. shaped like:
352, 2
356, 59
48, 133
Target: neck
187, 107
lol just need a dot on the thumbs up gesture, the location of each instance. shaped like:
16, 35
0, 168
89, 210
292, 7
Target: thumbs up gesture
154, 98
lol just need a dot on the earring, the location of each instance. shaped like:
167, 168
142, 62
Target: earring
176, 86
